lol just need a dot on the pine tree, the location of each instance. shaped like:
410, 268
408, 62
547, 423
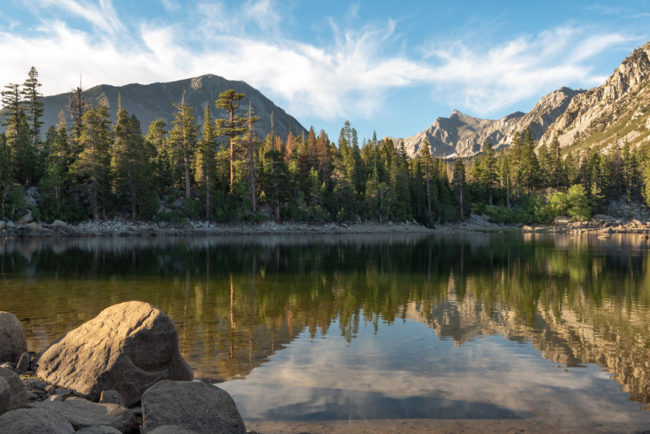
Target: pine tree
528, 167
130, 163
252, 141
232, 127
427, 166
183, 139
489, 172
92, 165
205, 171
458, 184
33, 104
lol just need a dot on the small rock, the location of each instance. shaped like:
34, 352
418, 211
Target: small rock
2, 224
34, 420
12, 338
5, 395
7, 365
171, 429
82, 413
62, 391
55, 398
31, 396
59, 224
197, 406
99, 429
111, 397
16, 389
27, 218
562, 220
10, 225
23, 363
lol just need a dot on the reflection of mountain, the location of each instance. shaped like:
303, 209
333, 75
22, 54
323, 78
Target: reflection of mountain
237, 302
575, 333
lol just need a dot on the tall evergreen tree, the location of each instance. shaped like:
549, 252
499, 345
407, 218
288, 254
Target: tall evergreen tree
33, 105
92, 165
252, 142
232, 127
183, 138
130, 163
205, 172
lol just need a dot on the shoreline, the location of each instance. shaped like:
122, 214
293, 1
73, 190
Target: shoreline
603, 226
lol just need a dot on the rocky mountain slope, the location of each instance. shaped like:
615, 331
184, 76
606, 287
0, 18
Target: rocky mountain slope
152, 101
464, 136
614, 113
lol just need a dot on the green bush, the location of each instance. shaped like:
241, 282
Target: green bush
579, 208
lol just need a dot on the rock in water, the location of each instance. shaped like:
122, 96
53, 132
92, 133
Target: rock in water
82, 413
17, 390
32, 421
127, 347
195, 406
12, 338
5, 395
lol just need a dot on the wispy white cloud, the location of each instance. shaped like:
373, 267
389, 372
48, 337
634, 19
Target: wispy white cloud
101, 14
489, 80
349, 76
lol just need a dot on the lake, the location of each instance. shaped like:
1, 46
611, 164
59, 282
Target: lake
494, 331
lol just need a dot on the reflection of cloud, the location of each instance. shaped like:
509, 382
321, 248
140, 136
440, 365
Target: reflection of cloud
406, 361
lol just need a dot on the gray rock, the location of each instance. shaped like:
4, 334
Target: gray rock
34, 421
99, 429
53, 398
16, 389
127, 347
7, 365
562, 220
82, 413
2, 224
197, 406
10, 224
27, 218
12, 338
171, 429
5, 395
23, 363
59, 224
111, 397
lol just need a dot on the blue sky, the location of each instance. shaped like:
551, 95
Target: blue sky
389, 66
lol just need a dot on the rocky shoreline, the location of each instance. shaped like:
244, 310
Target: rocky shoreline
120, 372
601, 224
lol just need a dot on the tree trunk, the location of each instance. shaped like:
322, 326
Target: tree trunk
186, 164
428, 198
207, 197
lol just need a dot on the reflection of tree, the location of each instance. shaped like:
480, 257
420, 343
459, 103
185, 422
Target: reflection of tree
237, 302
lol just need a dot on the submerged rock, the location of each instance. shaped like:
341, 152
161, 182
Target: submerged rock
12, 338
127, 348
196, 406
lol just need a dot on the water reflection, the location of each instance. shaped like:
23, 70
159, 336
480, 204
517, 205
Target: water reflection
238, 301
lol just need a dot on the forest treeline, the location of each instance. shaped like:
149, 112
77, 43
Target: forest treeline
89, 167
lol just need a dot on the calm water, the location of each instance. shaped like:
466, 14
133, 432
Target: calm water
470, 326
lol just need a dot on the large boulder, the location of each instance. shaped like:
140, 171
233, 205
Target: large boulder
5, 395
17, 390
12, 338
127, 348
34, 421
191, 405
82, 413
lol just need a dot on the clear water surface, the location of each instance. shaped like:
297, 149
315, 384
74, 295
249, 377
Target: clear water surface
537, 329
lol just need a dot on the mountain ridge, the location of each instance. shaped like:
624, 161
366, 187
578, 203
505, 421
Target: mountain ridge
155, 100
616, 112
